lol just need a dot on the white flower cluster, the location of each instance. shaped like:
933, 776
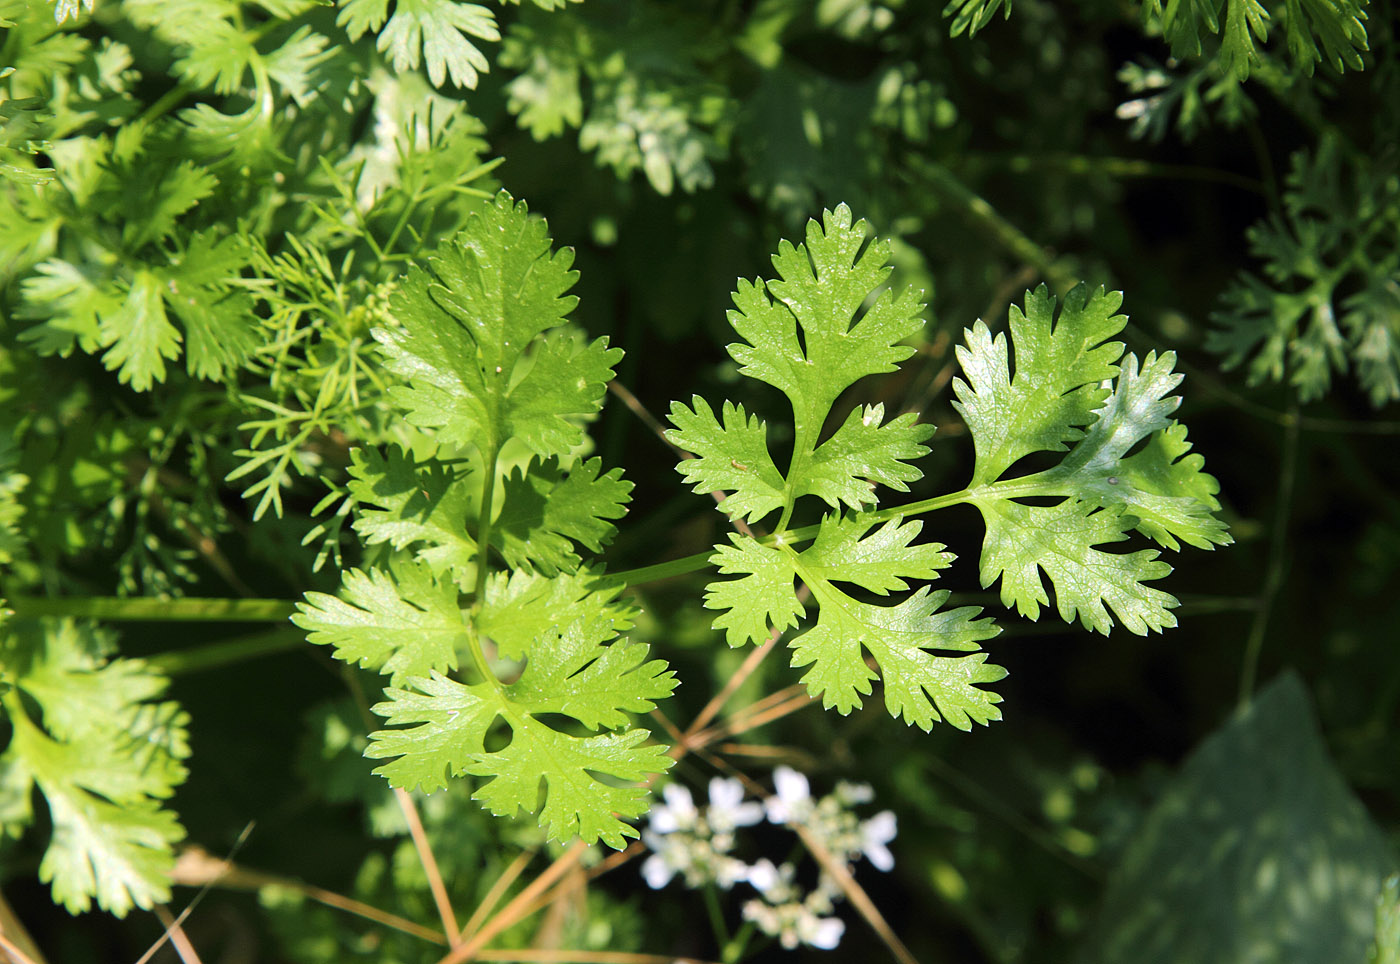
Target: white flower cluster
699, 847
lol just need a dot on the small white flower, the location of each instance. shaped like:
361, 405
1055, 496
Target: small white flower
793, 801
821, 932
677, 813
670, 856
728, 810
763, 876
875, 833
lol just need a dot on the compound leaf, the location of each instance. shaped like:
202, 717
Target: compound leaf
465, 324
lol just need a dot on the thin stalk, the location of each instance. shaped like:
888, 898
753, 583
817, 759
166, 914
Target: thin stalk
1273, 575
147, 609
716, 915
483, 539
497, 891
430, 867
227, 652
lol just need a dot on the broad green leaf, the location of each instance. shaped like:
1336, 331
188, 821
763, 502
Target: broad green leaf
1170, 497
426, 505
103, 753
1256, 851
822, 287
466, 327
405, 624
864, 453
452, 720
899, 637
434, 31
452, 723
570, 671
1060, 365
523, 607
140, 336
762, 600
732, 457
546, 511
576, 802
1023, 540
880, 562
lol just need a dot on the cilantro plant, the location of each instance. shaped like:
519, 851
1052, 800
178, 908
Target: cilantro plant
341, 619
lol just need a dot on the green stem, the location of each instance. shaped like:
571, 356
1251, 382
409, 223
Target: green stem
146, 609
228, 651
716, 915
1273, 576
483, 537
978, 210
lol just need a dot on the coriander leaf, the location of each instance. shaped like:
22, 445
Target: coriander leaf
423, 504
103, 753
1023, 540
545, 511
763, 597
822, 287
1061, 364
733, 458
570, 671
1168, 501
465, 324
140, 336
863, 453
1170, 495
404, 624
879, 562
525, 606
899, 637
434, 31
452, 722
566, 380
576, 802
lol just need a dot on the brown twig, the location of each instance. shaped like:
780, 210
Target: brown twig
856, 894
430, 867
196, 867
497, 891
176, 933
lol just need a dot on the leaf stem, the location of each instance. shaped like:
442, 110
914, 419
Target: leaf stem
150, 609
483, 541
1273, 576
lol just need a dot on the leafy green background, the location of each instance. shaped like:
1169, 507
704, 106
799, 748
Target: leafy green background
186, 366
